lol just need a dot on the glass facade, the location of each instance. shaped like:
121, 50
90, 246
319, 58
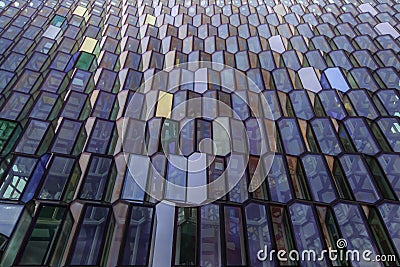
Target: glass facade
97, 164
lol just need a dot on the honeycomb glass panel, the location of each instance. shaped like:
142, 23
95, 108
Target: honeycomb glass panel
210, 238
301, 104
258, 232
319, 178
326, 136
389, 164
96, 178
137, 242
56, 179
290, 133
234, 238
390, 128
353, 227
359, 178
43, 237
17, 178
306, 229
279, 181
362, 139
99, 140
11, 213
390, 213
88, 244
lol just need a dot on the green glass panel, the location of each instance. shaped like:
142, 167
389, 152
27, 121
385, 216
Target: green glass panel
9, 133
43, 236
186, 237
85, 61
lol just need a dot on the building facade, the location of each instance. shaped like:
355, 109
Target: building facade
199, 132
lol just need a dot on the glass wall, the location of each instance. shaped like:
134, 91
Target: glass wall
289, 109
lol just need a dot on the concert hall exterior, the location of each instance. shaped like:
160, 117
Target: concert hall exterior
199, 133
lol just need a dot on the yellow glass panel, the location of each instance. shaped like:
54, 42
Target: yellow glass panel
89, 45
164, 105
80, 11
150, 20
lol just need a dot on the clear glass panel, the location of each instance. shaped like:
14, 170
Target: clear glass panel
234, 238
354, 231
307, 233
390, 128
100, 137
96, 178
44, 106
32, 138
291, 136
390, 213
10, 215
390, 163
319, 178
60, 170
136, 177
362, 104
90, 238
326, 136
210, 236
67, 137
176, 175
279, 181
301, 104
332, 104
359, 178
361, 136
258, 233
137, 237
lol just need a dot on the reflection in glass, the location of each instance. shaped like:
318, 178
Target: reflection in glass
137, 237
91, 236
